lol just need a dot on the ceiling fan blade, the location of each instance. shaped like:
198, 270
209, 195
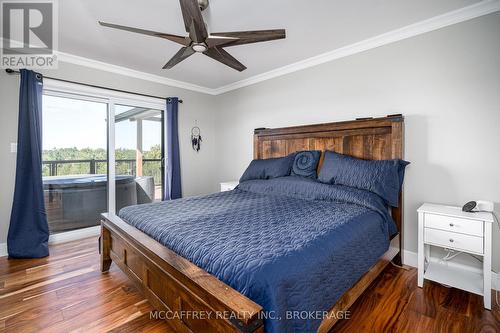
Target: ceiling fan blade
248, 37
193, 20
219, 40
181, 55
174, 38
224, 57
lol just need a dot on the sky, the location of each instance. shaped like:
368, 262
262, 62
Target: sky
76, 123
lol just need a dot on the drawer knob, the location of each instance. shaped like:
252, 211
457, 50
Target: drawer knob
451, 224
451, 240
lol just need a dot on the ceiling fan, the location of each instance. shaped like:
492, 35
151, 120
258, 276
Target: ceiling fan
199, 40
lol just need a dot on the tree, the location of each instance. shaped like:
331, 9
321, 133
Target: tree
125, 161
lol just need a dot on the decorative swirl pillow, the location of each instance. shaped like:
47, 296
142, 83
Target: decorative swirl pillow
268, 168
305, 163
384, 178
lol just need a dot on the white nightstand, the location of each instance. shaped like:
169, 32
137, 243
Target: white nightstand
228, 186
448, 227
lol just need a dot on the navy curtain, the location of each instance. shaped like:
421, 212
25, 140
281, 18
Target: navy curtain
172, 185
28, 231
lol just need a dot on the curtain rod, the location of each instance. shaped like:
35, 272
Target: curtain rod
11, 71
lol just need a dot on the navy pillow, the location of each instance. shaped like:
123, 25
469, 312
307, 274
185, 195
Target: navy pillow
384, 178
305, 163
268, 168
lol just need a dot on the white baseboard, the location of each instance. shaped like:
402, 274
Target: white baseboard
411, 259
3, 249
73, 235
63, 237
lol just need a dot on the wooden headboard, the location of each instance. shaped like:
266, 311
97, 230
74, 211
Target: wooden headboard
370, 138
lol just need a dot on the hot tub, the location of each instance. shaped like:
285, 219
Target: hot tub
74, 202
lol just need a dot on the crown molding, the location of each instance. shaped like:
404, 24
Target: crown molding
103, 66
95, 64
460, 15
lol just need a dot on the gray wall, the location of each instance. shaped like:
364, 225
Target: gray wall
447, 85
197, 169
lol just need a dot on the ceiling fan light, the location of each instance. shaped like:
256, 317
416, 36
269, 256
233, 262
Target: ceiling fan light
203, 4
199, 47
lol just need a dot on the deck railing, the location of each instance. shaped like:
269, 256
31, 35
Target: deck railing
150, 167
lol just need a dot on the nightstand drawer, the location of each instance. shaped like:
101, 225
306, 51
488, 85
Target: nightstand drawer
454, 224
453, 240
449, 227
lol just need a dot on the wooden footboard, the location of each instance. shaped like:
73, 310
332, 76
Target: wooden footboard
189, 298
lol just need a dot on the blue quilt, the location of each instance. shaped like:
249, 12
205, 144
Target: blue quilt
291, 244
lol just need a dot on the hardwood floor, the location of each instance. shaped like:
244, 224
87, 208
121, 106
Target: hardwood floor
66, 292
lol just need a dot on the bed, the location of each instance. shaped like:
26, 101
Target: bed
241, 258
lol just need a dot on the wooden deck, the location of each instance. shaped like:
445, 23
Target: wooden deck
66, 292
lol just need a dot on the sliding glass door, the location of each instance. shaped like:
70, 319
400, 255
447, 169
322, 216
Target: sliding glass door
138, 155
92, 165
74, 161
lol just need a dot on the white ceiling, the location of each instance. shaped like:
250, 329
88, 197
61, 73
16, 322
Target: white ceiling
313, 27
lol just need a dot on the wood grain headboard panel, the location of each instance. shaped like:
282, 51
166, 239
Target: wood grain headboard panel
371, 139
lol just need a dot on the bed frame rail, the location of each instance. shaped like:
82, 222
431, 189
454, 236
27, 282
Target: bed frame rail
192, 299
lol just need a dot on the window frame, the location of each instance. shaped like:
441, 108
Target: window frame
111, 98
